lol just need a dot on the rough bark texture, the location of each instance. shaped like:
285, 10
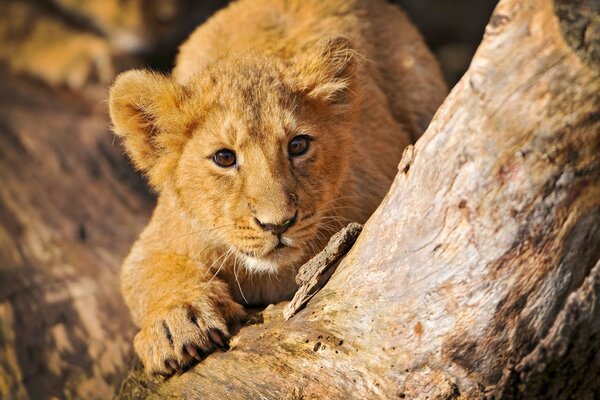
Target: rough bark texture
478, 276
69, 204
66, 195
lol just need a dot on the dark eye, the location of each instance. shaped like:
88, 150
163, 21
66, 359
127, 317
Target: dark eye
224, 158
299, 145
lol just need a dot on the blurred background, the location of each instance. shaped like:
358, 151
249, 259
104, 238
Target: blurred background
75, 42
70, 204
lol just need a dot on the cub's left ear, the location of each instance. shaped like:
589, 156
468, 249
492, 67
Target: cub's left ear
327, 71
145, 108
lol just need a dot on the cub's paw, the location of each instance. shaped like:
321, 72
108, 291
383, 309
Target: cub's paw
179, 336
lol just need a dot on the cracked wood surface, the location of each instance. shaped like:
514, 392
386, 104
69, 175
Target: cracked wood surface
477, 277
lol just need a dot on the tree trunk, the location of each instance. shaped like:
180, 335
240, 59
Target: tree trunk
479, 275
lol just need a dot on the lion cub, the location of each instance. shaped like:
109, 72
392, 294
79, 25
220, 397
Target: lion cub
282, 121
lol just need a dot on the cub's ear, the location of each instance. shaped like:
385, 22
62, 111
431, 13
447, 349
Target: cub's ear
328, 70
145, 108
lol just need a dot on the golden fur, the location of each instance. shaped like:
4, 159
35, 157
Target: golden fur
355, 75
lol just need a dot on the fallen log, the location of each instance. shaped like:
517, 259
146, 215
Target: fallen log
70, 206
479, 275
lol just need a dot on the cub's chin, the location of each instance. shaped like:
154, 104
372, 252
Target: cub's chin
277, 260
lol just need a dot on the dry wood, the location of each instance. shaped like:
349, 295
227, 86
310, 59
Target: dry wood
475, 277
313, 275
69, 209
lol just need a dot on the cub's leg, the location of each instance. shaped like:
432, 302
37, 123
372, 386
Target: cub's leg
181, 312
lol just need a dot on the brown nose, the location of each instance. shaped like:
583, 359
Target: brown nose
276, 229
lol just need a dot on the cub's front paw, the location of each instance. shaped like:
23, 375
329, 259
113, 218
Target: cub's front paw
174, 338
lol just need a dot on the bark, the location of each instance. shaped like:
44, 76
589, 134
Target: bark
313, 275
479, 275
69, 209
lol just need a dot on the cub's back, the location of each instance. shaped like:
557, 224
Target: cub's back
402, 85
277, 27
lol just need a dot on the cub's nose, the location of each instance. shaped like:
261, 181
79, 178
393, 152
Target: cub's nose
276, 229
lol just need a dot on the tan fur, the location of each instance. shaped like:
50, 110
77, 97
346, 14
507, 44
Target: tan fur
353, 74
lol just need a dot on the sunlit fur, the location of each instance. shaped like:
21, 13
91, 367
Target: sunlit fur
354, 75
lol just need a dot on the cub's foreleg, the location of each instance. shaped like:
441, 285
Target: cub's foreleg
181, 312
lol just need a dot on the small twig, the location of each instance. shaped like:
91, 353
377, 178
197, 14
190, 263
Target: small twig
316, 272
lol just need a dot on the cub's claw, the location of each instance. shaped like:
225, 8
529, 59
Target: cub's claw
218, 338
180, 336
191, 349
173, 365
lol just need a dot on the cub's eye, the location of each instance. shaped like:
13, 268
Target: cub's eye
299, 145
224, 158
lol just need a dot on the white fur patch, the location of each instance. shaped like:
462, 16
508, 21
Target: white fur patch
287, 241
260, 265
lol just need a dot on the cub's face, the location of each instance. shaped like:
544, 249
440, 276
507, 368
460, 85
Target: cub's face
261, 169
252, 150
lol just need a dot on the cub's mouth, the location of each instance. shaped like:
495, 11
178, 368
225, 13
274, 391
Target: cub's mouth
283, 243
281, 255
279, 251
275, 247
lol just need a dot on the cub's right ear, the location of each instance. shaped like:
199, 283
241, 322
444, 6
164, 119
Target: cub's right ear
145, 112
